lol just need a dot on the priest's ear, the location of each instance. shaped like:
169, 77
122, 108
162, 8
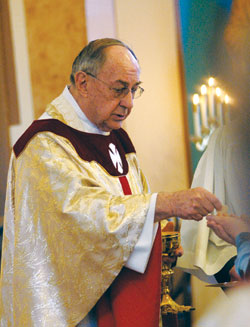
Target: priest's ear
81, 82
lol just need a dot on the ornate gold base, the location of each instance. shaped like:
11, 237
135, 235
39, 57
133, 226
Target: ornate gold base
170, 242
168, 305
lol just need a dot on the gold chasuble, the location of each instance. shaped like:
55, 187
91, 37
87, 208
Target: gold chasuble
69, 229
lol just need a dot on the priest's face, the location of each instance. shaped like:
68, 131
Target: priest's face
111, 91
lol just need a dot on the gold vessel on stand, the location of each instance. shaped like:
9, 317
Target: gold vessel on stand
170, 242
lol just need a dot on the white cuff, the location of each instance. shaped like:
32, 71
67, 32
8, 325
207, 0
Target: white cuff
138, 259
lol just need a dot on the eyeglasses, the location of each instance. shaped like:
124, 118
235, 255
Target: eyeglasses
122, 91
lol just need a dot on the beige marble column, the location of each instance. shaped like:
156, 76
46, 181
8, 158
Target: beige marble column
56, 33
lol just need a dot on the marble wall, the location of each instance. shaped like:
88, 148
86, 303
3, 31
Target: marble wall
56, 32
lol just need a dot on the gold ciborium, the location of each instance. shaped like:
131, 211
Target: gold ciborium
170, 242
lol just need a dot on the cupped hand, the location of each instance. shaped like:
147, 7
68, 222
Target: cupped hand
228, 226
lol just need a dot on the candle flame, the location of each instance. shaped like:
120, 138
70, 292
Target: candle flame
211, 81
196, 99
226, 99
218, 91
203, 89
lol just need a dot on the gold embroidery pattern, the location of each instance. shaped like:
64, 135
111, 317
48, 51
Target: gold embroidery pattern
72, 228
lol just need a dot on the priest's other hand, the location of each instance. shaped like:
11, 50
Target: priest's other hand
171, 260
188, 204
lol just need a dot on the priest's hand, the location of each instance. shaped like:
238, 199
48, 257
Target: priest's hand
188, 204
171, 260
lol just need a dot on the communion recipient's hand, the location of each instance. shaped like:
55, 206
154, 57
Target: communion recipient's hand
228, 226
233, 275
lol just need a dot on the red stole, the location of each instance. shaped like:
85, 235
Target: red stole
133, 299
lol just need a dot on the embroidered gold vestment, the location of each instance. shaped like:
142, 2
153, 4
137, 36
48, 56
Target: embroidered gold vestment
68, 229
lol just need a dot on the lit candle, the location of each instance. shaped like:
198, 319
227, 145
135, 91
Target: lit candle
211, 83
204, 108
196, 115
219, 109
227, 108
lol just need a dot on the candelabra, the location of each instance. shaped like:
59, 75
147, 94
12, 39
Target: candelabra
210, 110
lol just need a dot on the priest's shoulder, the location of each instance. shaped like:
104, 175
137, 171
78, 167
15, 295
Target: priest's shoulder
57, 127
38, 126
